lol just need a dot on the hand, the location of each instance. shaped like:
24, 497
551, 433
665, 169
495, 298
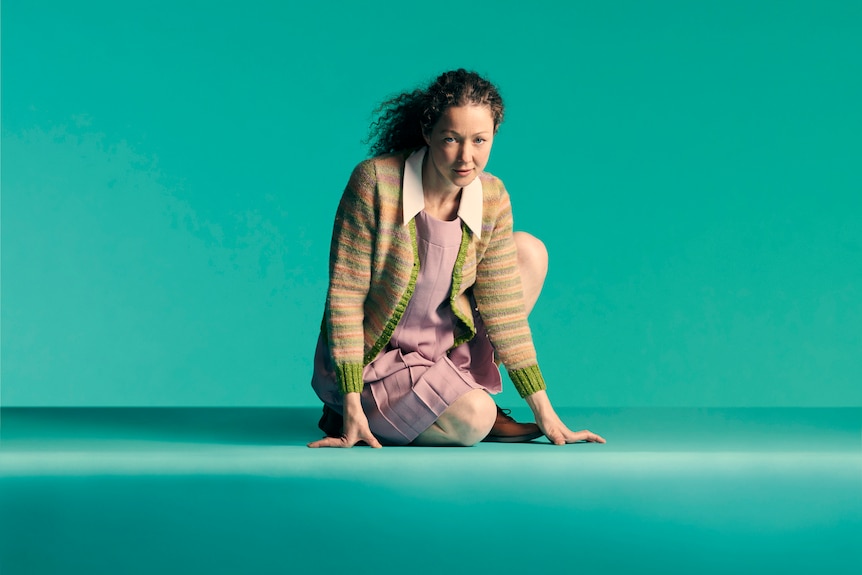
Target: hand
553, 427
356, 427
556, 431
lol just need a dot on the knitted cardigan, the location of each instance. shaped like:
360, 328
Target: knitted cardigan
374, 263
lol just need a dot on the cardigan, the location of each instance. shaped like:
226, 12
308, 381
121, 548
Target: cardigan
374, 264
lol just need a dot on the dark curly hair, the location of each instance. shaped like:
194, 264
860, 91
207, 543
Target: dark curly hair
402, 120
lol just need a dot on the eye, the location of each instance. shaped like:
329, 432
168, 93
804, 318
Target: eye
449, 140
479, 140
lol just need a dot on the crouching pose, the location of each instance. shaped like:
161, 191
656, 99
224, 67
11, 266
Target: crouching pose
429, 287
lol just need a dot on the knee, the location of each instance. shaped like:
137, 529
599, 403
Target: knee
478, 413
532, 253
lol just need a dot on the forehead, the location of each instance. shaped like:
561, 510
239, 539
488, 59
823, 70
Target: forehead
470, 119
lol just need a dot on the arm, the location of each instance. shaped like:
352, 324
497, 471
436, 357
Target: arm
499, 285
350, 255
349, 279
500, 299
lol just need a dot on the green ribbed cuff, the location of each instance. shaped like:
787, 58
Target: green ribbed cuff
528, 380
349, 377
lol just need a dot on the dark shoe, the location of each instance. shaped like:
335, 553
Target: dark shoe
507, 430
331, 422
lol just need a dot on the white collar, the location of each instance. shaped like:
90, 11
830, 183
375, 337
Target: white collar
413, 197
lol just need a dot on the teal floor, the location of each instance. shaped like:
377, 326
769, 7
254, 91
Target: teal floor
212, 491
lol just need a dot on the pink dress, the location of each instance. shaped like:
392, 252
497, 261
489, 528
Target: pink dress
413, 379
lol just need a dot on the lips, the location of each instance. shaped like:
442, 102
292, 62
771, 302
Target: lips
463, 172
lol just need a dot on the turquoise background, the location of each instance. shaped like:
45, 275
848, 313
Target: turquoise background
170, 171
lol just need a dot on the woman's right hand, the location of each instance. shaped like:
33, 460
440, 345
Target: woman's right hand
356, 427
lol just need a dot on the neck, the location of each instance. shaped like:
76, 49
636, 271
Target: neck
443, 207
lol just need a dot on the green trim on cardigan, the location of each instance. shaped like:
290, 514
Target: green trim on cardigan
528, 380
349, 377
457, 278
402, 304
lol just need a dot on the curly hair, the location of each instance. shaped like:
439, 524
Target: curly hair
404, 119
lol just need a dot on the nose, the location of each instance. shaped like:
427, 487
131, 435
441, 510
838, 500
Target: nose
464, 153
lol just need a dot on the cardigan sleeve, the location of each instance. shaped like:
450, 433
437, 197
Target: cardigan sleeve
351, 251
500, 299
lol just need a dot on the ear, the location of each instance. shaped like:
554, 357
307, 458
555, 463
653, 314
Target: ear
426, 137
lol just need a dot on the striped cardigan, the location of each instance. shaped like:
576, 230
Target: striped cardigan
374, 264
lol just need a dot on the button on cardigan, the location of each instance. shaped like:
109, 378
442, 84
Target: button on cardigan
374, 264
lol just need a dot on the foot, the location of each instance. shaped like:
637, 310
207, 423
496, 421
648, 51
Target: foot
507, 430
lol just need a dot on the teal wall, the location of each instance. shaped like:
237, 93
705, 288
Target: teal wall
170, 171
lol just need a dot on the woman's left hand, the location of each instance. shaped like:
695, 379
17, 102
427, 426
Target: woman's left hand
553, 427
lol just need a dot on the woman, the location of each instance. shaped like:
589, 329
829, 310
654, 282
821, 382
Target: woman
428, 284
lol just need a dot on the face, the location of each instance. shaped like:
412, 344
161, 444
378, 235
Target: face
458, 147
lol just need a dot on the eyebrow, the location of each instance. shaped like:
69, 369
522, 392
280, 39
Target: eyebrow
458, 134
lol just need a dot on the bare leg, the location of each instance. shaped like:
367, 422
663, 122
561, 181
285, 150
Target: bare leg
533, 262
466, 422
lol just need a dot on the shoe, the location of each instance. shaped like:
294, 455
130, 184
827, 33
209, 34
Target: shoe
507, 430
331, 422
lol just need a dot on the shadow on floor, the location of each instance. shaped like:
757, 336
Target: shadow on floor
239, 426
817, 430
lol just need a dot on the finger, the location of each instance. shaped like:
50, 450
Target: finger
591, 437
587, 436
363, 433
556, 437
330, 442
372, 441
345, 441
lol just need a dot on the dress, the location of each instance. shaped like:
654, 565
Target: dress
413, 379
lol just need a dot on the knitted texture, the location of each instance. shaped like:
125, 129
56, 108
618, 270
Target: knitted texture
528, 380
374, 264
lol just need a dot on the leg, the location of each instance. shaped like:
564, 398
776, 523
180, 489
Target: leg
533, 263
464, 423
